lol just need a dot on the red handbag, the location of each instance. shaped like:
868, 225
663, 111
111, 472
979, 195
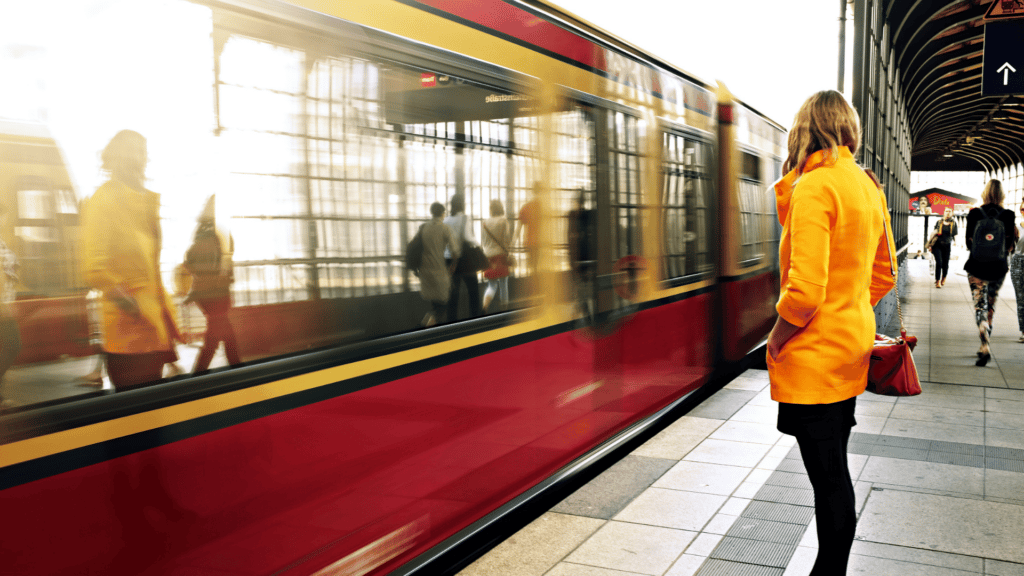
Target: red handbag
892, 371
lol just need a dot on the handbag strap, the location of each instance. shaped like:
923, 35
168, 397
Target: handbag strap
495, 238
892, 266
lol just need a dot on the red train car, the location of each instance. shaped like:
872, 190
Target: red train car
353, 440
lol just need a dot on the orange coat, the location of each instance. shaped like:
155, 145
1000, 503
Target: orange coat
120, 247
835, 268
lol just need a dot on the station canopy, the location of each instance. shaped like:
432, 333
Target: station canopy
939, 47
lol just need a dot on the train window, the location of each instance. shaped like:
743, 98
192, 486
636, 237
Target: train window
686, 184
626, 199
755, 212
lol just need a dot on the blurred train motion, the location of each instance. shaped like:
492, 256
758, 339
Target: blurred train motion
351, 439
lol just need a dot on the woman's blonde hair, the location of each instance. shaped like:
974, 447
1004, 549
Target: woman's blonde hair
993, 193
125, 153
824, 122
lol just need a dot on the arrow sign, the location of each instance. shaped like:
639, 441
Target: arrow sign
1006, 69
1003, 58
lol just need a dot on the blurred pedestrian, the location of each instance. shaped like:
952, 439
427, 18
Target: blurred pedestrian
121, 258
496, 240
10, 337
460, 225
434, 271
990, 237
209, 261
835, 265
945, 233
1017, 276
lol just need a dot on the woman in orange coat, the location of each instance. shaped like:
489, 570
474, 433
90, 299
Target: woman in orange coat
834, 258
121, 258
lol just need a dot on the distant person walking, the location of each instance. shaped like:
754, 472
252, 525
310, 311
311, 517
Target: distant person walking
121, 258
834, 259
990, 235
1017, 276
945, 232
496, 241
460, 225
10, 336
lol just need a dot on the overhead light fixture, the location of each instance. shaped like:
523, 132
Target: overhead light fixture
947, 155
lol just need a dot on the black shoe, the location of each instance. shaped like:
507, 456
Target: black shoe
982, 359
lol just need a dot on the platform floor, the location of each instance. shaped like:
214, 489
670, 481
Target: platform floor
939, 477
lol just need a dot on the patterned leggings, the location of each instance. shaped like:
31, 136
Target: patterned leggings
1017, 277
985, 293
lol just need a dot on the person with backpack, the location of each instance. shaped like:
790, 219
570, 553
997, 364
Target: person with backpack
945, 232
990, 238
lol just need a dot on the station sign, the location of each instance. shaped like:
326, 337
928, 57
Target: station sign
1003, 58
1000, 9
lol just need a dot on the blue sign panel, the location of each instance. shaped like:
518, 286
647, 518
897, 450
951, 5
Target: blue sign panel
1003, 58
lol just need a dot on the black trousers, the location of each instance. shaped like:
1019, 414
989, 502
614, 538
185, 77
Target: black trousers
941, 252
823, 432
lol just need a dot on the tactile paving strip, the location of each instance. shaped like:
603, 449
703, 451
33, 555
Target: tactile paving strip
779, 512
715, 567
957, 459
789, 480
766, 531
784, 495
958, 448
1004, 464
754, 552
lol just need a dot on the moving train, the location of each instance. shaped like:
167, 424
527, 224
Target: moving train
352, 439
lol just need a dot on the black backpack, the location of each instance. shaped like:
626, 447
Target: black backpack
414, 252
989, 241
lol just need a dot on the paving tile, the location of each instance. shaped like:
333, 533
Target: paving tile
876, 409
870, 424
728, 452
789, 480
703, 477
747, 432
686, 565
1004, 406
536, 548
1003, 394
754, 552
858, 448
903, 442
749, 384
604, 496
863, 438
678, 438
723, 405
632, 548
933, 431
917, 556
1004, 420
1004, 438
897, 452
567, 569
758, 414
968, 527
779, 512
720, 523
1004, 484
802, 561
784, 495
929, 475
1004, 464
939, 415
997, 568
1009, 453
672, 509
704, 544
956, 459
957, 448
767, 531
735, 505
792, 466
950, 401
887, 567
717, 567
930, 388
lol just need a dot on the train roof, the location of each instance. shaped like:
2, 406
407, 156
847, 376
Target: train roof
24, 129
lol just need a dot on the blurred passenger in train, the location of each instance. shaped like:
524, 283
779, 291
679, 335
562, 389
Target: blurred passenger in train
10, 337
497, 238
835, 265
464, 274
528, 227
582, 221
209, 261
121, 258
435, 272
945, 233
990, 237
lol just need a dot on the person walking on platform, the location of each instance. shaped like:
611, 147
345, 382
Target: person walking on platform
989, 239
435, 274
1017, 277
834, 257
942, 243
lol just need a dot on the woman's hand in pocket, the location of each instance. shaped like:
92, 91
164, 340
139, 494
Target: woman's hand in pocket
780, 334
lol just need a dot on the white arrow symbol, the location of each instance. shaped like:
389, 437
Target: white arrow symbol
1006, 73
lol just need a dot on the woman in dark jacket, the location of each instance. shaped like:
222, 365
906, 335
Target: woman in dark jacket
984, 271
946, 231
